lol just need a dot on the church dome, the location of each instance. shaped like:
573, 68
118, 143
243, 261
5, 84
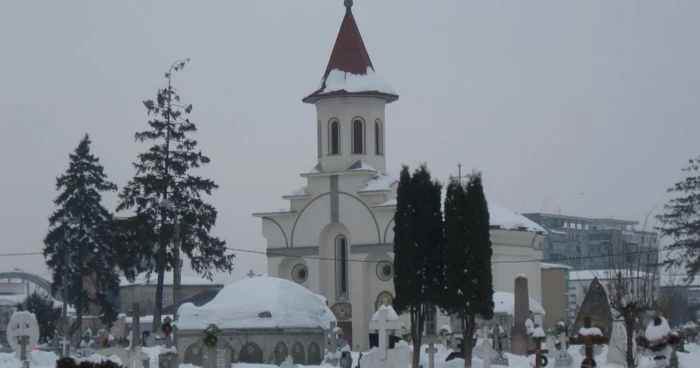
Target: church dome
259, 302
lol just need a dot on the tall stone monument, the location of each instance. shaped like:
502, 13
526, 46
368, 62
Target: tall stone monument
518, 333
595, 306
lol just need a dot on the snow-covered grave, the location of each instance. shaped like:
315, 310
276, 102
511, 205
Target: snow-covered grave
259, 320
385, 321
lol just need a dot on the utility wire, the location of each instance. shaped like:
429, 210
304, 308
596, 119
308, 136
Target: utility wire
513, 261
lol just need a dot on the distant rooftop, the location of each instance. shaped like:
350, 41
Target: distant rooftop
583, 219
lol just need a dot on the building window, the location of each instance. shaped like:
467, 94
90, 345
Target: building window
358, 136
300, 273
333, 137
318, 135
378, 138
430, 322
341, 267
385, 271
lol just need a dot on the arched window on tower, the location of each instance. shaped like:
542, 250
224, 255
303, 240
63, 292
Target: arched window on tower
358, 136
378, 138
341, 267
333, 137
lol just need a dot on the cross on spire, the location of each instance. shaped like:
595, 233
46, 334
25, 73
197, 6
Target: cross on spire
459, 173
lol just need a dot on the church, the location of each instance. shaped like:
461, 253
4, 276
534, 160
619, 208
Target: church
336, 238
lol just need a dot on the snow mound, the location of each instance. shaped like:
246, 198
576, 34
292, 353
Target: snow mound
504, 302
654, 332
259, 302
538, 332
593, 331
391, 315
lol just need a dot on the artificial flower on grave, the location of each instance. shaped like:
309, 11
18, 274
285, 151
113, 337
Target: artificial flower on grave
209, 337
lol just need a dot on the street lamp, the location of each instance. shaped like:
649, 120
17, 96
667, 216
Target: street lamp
168, 205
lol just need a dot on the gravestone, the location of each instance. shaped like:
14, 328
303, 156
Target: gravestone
22, 334
281, 353
591, 341
519, 336
345, 360
540, 357
563, 359
595, 306
383, 325
431, 355
298, 354
332, 345
168, 356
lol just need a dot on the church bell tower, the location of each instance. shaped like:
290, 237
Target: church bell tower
350, 105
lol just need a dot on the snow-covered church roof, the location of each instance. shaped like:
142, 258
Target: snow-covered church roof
508, 220
259, 302
350, 70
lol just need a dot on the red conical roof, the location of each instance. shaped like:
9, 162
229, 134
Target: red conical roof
350, 56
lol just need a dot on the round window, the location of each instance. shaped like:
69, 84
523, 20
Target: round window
300, 273
385, 270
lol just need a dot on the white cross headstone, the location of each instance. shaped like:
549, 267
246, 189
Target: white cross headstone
383, 325
486, 353
563, 359
22, 333
431, 354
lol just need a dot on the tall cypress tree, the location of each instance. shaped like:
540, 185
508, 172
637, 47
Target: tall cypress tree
468, 278
165, 171
77, 245
418, 250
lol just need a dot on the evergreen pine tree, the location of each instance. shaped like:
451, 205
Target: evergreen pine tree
78, 244
165, 171
681, 220
418, 250
46, 312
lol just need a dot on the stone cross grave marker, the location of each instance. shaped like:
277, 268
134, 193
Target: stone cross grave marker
563, 359
519, 337
250, 274
382, 325
589, 342
538, 351
333, 343
22, 334
431, 350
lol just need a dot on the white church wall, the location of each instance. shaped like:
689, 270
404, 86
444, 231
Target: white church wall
273, 234
359, 220
326, 240
317, 185
345, 110
386, 223
374, 198
311, 222
351, 183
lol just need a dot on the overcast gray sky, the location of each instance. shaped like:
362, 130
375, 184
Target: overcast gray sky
591, 105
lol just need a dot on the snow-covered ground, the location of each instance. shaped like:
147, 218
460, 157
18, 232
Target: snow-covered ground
42, 359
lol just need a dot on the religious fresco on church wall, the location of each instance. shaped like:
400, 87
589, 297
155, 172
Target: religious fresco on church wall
193, 355
314, 354
250, 353
342, 311
281, 353
298, 353
384, 298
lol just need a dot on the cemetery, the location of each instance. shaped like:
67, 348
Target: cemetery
288, 326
